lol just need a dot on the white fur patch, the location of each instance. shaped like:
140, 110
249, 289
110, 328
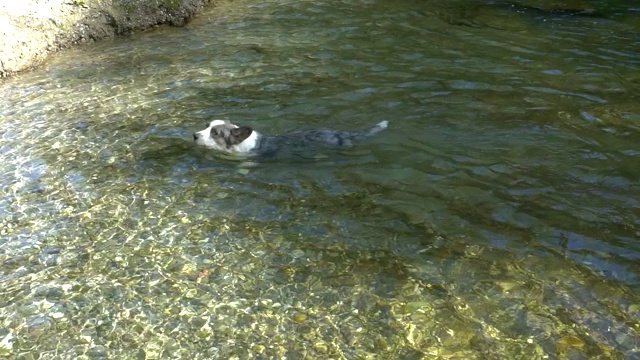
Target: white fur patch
218, 122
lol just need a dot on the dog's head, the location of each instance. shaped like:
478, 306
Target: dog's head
223, 136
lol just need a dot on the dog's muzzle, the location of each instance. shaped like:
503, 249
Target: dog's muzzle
195, 136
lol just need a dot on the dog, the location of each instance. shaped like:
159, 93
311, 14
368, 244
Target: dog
232, 139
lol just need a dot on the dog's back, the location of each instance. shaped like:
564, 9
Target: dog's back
270, 145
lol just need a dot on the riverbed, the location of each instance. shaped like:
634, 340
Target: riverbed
496, 217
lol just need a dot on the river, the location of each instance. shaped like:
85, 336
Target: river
497, 217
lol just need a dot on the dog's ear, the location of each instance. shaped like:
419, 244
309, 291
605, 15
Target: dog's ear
240, 134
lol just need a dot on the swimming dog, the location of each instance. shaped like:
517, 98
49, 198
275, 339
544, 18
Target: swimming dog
224, 136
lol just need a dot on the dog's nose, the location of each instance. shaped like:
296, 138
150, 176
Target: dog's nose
195, 136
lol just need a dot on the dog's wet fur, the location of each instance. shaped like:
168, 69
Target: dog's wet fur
224, 136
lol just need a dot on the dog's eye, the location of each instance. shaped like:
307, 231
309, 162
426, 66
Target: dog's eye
214, 132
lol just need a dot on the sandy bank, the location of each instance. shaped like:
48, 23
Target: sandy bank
31, 29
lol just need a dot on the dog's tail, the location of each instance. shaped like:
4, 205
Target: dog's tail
377, 128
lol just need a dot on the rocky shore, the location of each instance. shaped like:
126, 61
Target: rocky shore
31, 29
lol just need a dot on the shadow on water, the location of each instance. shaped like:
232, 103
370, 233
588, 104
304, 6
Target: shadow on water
495, 218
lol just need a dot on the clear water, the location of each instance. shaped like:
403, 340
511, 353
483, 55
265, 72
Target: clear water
497, 217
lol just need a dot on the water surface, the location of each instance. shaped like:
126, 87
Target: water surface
497, 217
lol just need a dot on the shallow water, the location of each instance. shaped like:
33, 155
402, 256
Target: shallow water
497, 217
